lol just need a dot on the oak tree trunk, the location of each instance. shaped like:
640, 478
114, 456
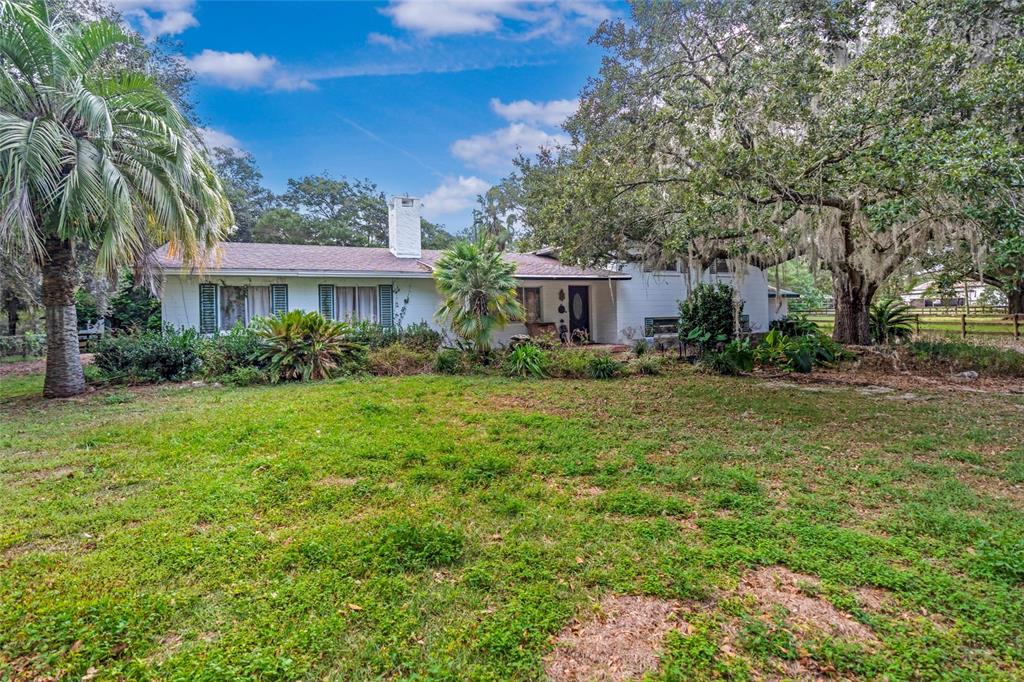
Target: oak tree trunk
64, 375
1015, 299
853, 292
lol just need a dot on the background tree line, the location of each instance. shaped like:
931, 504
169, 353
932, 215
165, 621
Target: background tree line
315, 209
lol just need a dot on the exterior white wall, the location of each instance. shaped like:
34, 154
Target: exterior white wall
657, 294
778, 308
416, 300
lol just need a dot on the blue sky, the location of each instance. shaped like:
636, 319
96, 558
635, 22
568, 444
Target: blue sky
426, 97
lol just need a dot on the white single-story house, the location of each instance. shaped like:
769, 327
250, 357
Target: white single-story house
395, 285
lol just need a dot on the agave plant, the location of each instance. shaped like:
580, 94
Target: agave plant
306, 346
891, 322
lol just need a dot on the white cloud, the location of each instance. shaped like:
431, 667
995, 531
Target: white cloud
552, 113
523, 18
240, 70
219, 138
159, 17
390, 42
454, 195
494, 151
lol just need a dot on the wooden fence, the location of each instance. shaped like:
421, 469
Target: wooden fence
948, 321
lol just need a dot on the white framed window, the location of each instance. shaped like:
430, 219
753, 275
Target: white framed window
358, 304
232, 306
529, 298
259, 303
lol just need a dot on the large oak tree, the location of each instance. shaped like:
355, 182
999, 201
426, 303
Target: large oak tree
856, 133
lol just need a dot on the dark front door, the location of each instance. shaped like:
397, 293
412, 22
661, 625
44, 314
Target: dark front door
579, 313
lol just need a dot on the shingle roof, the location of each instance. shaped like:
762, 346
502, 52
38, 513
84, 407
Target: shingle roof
240, 257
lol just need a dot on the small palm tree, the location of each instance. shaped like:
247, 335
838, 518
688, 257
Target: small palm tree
91, 156
891, 322
479, 291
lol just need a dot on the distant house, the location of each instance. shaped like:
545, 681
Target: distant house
395, 285
970, 292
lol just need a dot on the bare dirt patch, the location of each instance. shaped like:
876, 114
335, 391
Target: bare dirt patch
18, 369
622, 642
775, 586
338, 481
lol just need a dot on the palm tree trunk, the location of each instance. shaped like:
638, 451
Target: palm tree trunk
11, 307
64, 375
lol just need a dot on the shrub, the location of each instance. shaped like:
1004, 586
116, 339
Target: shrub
398, 360
244, 376
298, 345
526, 360
224, 353
706, 316
603, 366
450, 361
737, 357
891, 322
647, 365
420, 336
795, 324
640, 347
797, 354
942, 356
568, 362
147, 357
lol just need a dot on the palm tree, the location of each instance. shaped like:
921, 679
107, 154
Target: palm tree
91, 156
479, 290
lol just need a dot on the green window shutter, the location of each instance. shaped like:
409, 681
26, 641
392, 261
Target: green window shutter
387, 304
278, 298
327, 301
207, 308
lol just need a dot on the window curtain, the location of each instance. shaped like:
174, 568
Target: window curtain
259, 302
529, 298
366, 304
357, 304
347, 304
232, 307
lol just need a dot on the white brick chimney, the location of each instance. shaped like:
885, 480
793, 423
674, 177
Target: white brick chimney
404, 227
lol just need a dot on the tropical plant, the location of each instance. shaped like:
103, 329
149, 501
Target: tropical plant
478, 288
603, 366
526, 360
305, 346
706, 317
794, 324
891, 322
91, 155
736, 357
797, 353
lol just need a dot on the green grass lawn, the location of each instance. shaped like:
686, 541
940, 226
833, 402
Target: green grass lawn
447, 528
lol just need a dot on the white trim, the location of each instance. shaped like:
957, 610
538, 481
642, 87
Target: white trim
214, 274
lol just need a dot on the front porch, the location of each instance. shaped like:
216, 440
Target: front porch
583, 310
